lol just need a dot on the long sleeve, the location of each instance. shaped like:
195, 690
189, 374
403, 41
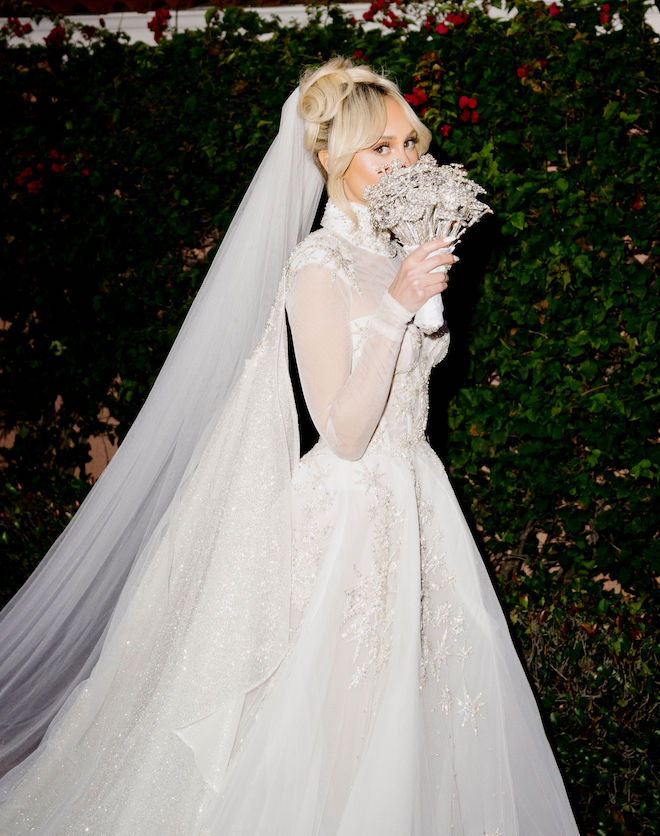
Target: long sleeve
345, 396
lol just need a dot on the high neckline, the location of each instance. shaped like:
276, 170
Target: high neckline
365, 235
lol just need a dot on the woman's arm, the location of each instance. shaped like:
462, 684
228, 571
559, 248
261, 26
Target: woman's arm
345, 400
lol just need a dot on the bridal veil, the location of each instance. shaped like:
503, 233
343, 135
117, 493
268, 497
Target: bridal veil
226, 374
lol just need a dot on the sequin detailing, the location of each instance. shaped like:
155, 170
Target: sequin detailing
310, 542
369, 606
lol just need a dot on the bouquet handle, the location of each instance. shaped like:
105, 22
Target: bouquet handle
431, 316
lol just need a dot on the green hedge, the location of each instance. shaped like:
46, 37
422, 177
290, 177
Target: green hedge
123, 167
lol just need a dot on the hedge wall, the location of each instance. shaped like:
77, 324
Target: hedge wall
123, 166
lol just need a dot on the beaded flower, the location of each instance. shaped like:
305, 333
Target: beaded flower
425, 201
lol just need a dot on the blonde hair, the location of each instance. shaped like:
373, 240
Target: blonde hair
343, 107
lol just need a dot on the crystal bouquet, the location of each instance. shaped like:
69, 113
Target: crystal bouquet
420, 203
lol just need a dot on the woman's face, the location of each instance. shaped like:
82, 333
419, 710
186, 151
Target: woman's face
398, 142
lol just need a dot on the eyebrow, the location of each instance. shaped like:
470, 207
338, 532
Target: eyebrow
390, 138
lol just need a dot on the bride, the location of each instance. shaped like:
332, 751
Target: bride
228, 639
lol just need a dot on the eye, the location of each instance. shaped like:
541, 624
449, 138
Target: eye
410, 143
381, 149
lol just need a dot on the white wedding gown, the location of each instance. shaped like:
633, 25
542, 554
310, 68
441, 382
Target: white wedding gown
399, 707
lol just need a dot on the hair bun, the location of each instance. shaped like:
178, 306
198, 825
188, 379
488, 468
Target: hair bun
323, 90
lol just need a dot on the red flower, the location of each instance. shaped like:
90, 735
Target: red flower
604, 13
417, 97
472, 103
24, 175
57, 168
85, 172
441, 29
430, 20
360, 55
35, 186
465, 116
475, 116
523, 72
445, 130
56, 36
553, 10
542, 63
158, 23
457, 18
638, 205
423, 112
102, 22
463, 101
17, 28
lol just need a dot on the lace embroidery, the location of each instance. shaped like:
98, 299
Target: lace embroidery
322, 247
369, 604
404, 422
365, 235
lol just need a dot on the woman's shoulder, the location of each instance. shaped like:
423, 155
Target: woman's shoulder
325, 249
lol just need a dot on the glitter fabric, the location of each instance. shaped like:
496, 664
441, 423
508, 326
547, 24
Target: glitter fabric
393, 704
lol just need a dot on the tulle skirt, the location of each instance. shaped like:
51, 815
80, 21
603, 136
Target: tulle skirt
399, 709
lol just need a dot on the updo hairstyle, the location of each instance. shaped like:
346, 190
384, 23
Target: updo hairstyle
343, 107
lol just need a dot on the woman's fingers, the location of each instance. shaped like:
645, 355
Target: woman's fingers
423, 274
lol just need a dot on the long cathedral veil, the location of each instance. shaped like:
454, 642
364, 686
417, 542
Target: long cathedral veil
52, 630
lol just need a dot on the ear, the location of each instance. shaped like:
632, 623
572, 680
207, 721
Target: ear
323, 158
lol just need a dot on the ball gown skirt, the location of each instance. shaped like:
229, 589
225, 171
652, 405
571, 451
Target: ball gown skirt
400, 707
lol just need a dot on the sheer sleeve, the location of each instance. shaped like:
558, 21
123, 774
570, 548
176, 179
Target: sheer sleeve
345, 396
